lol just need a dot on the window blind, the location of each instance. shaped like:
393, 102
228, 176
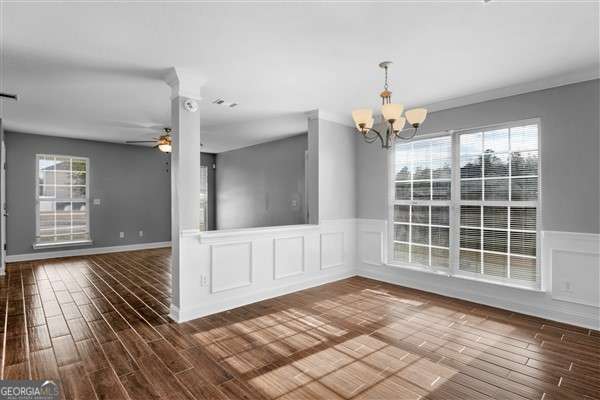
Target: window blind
489, 227
498, 202
422, 202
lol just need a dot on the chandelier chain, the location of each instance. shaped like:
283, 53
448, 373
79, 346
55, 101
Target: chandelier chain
385, 86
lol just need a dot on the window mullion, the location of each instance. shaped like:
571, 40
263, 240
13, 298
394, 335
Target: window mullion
429, 206
454, 207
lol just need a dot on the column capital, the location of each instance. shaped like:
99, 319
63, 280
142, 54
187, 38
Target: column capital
329, 116
184, 83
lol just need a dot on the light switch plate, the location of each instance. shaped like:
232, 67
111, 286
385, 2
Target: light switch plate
96, 202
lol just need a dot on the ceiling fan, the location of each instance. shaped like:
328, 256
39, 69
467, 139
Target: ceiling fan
163, 142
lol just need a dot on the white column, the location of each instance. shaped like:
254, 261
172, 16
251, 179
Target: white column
185, 181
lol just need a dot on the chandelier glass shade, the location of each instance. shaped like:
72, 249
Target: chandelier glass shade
391, 114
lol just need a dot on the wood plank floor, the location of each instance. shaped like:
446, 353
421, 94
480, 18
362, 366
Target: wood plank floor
99, 325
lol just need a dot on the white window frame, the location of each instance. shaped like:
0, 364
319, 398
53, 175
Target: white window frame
37, 245
454, 212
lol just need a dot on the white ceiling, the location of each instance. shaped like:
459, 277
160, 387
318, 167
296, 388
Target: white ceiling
95, 70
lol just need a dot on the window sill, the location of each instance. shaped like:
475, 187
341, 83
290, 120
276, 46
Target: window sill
39, 246
465, 277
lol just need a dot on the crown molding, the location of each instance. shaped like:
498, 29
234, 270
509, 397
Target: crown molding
329, 116
581, 75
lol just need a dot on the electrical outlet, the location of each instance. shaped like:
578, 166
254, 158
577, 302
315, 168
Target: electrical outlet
122, 235
203, 281
566, 286
141, 233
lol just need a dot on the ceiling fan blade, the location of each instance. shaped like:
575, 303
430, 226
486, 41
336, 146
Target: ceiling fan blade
140, 141
8, 96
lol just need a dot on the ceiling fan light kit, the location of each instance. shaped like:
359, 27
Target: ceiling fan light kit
163, 142
391, 114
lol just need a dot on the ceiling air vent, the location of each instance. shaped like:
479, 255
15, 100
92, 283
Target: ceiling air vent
220, 102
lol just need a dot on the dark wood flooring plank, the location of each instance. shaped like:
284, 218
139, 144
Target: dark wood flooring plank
104, 319
138, 387
75, 382
107, 386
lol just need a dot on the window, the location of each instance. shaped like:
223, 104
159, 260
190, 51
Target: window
422, 202
478, 219
62, 209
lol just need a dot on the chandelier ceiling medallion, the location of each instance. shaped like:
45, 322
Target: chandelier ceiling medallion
392, 115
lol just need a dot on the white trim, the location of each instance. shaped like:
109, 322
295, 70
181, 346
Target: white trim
343, 262
589, 237
184, 83
480, 97
513, 90
379, 235
228, 303
455, 203
51, 245
587, 320
85, 251
214, 289
174, 313
71, 199
276, 275
345, 119
571, 244
189, 232
514, 284
244, 233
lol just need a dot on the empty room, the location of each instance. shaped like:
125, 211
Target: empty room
300, 200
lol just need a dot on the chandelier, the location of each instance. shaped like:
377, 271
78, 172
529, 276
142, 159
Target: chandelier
392, 115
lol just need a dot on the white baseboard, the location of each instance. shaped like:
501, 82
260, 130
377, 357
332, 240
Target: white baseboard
85, 251
535, 308
213, 307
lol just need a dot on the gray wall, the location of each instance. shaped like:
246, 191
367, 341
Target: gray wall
256, 185
312, 170
569, 146
337, 171
208, 160
131, 181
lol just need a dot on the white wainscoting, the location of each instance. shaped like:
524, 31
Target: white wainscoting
574, 262
288, 255
371, 241
566, 257
332, 249
230, 266
248, 265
